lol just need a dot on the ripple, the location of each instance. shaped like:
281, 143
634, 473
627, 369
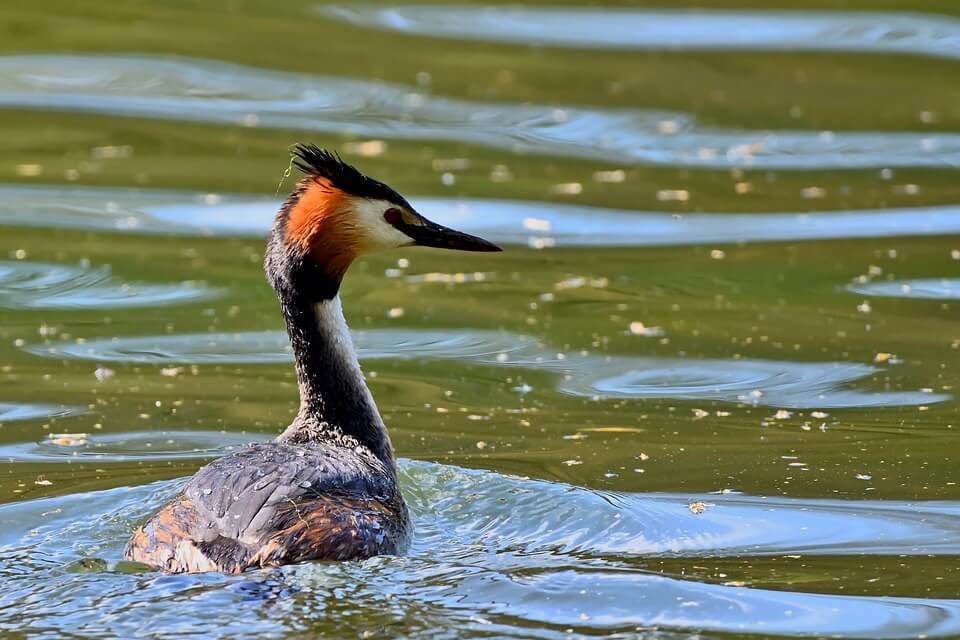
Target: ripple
797, 385
501, 220
696, 30
571, 520
19, 411
130, 446
757, 382
265, 347
206, 91
40, 285
924, 288
525, 553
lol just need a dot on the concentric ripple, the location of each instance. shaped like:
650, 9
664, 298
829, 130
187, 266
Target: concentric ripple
930, 288
131, 446
264, 347
41, 285
155, 211
207, 91
691, 30
799, 385
523, 553
758, 382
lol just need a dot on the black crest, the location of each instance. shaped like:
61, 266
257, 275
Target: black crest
314, 161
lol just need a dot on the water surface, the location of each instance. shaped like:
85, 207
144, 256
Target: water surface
214, 92
684, 29
709, 389
497, 567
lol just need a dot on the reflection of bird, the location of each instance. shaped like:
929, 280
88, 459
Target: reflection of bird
327, 487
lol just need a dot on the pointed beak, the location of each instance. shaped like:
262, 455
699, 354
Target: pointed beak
425, 233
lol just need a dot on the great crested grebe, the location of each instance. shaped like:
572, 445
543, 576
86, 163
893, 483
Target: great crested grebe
326, 488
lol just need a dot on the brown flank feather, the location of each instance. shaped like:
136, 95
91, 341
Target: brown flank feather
331, 527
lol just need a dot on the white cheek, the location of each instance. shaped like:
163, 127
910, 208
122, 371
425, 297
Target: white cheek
377, 233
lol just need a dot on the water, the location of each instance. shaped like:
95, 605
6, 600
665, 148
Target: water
621, 28
505, 221
523, 562
213, 92
39, 285
709, 389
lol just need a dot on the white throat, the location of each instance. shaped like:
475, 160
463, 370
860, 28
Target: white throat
344, 362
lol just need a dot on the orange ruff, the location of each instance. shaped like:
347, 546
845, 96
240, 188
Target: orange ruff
319, 224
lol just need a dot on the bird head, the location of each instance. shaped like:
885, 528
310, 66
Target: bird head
336, 214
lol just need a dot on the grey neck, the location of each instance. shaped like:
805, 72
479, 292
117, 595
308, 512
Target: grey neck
335, 403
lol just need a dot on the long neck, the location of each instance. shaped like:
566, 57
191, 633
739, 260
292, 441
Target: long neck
334, 398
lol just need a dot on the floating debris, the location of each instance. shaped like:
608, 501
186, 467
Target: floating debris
673, 195
537, 224
697, 507
450, 164
103, 373
67, 439
448, 278
615, 176
906, 189
640, 329
577, 282
535, 242
366, 148
500, 173
668, 127
567, 189
28, 170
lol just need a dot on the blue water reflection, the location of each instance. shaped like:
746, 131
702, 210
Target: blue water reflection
41, 285
505, 221
207, 91
747, 381
501, 564
685, 29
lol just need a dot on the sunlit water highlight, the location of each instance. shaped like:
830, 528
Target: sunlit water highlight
207, 91
492, 552
629, 28
929, 288
503, 221
23, 411
123, 447
41, 285
748, 381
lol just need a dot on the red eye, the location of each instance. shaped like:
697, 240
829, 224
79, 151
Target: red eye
393, 216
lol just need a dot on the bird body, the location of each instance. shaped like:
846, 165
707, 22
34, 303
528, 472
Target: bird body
326, 488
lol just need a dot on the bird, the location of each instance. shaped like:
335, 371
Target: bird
326, 488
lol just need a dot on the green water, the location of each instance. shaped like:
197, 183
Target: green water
561, 413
